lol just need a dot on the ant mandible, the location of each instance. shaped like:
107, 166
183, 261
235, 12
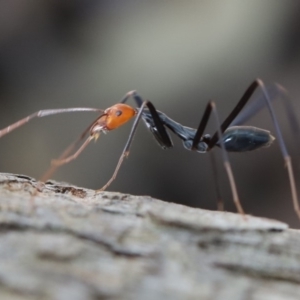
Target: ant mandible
230, 135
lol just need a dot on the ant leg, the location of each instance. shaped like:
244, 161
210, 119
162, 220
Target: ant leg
287, 159
220, 201
160, 129
154, 124
125, 151
62, 161
137, 98
196, 140
127, 96
285, 154
240, 105
47, 175
202, 126
43, 113
227, 163
211, 107
274, 91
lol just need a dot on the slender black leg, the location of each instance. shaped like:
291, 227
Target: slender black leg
196, 140
158, 130
242, 102
227, 163
202, 126
211, 107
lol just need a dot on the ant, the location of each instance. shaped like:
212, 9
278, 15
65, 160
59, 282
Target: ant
230, 135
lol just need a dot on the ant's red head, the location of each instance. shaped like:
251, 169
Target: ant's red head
114, 117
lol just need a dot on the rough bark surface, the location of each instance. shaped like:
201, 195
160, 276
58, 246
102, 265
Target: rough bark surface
67, 243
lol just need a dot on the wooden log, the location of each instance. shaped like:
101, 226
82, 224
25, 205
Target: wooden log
65, 242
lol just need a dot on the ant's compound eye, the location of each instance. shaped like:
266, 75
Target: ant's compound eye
118, 113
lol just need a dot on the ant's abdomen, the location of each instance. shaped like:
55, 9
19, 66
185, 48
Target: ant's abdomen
246, 138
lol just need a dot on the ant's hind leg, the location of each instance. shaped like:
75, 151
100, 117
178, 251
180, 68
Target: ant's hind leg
285, 154
211, 108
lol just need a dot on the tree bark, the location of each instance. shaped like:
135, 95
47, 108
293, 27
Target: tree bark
64, 242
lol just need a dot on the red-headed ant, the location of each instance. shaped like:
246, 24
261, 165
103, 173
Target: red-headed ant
230, 135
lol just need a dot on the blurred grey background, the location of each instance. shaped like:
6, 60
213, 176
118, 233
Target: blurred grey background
178, 54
